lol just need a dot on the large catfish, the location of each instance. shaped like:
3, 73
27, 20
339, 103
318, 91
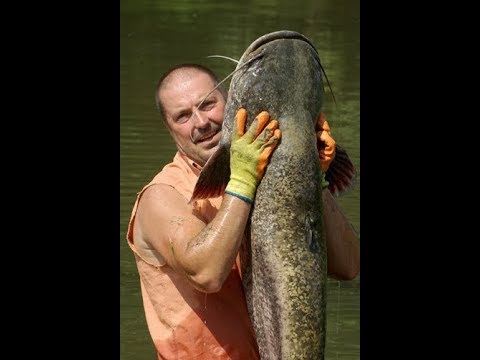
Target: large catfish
285, 264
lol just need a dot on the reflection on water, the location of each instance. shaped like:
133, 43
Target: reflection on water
154, 35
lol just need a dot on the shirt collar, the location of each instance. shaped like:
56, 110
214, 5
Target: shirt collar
196, 168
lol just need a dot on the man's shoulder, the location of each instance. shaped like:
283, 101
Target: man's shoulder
169, 175
176, 175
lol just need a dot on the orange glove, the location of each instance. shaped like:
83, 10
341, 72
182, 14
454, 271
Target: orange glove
325, 143
250, 152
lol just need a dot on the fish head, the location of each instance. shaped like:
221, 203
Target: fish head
280, 72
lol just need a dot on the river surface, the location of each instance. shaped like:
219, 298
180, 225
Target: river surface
155, 35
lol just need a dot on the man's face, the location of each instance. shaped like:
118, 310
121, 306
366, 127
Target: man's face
195, 128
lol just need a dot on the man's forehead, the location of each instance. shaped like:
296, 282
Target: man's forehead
186, 90
185, 84
186, 75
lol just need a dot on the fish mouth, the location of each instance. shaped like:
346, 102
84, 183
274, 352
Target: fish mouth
257, 50
276, 35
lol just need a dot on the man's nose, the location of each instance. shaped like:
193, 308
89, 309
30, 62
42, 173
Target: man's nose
200, 119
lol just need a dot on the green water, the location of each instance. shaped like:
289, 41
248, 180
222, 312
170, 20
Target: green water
155, 35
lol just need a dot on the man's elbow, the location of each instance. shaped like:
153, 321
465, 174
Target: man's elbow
351, 274
345, 273
207, 284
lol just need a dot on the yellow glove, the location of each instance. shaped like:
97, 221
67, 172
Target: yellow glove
326, 144
250, 153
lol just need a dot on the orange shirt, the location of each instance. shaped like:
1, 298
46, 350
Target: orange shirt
186, 323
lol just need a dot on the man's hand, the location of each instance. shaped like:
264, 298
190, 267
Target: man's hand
325, 143
250, 153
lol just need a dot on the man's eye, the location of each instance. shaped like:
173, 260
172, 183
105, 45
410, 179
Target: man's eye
182, 118
207, 105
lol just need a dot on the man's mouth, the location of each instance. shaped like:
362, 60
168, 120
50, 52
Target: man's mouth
206, 137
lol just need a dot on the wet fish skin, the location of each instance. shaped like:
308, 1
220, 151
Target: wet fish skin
284, 266
286, 292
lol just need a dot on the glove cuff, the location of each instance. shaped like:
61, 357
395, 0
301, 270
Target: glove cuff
241, 189
247, 200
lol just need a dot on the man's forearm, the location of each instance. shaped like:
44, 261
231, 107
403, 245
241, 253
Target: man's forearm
210, 255
343, 246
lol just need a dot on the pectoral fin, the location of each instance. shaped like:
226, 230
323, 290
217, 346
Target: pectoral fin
341, 173
214, 176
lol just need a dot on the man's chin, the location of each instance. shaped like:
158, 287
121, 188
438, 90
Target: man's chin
212, 151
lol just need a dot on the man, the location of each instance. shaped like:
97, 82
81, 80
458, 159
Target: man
187, 253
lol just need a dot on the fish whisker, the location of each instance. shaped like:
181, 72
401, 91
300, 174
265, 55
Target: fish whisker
224, 57
229, 76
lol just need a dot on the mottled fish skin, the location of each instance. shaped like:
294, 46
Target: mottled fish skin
285, 275
285, 265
